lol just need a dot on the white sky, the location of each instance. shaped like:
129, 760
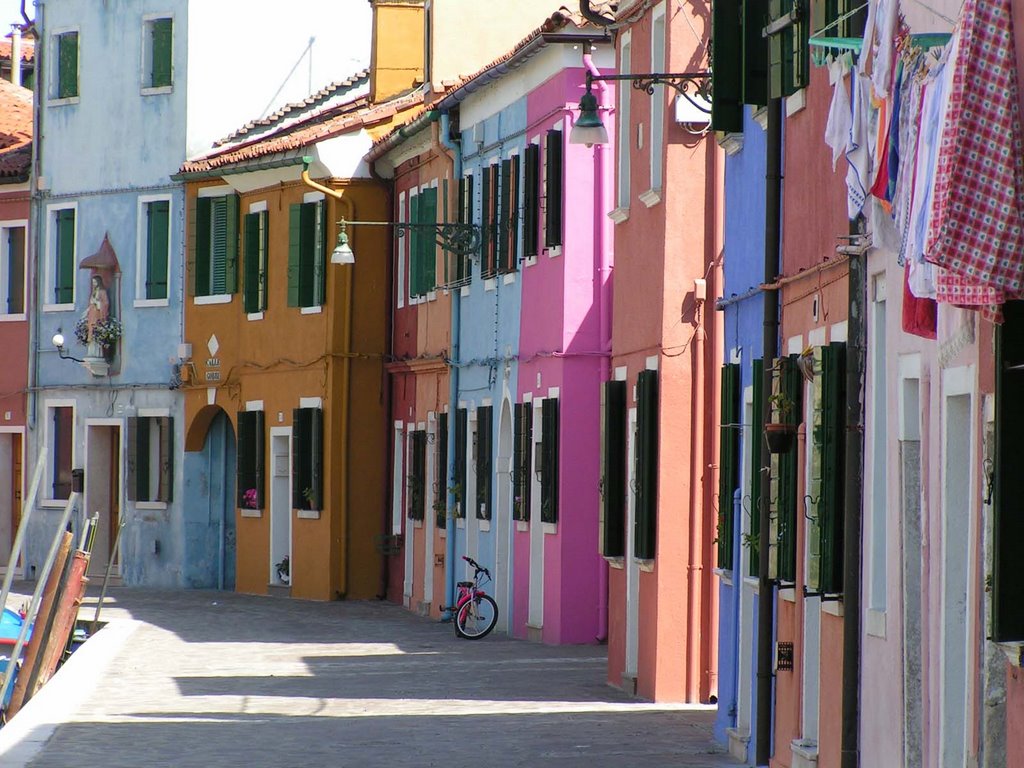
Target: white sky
10, 13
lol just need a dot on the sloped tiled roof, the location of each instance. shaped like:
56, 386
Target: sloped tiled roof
334, 90
323, 125
15, 130
28, 51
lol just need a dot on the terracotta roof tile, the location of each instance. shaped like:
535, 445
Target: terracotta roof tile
15, 129
28, 51
337, 88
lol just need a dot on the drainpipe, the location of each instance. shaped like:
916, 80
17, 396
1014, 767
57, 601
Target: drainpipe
770, 349
36, 222
455, 148
852, 500
16, 56
603, 243
593, 16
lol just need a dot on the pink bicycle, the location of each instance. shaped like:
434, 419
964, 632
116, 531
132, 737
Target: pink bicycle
475, 612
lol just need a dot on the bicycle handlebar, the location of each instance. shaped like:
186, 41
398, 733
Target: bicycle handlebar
476, 565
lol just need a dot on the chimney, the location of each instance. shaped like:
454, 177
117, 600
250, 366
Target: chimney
396, 53
16, 56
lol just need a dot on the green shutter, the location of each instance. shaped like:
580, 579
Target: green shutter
646, 480
788, 48
785, 471
756, 473
728, 463
300, 455
522, 449
316, 457
461, 434
613, 468
531, 180
131, 457
428, 257
484, 438
251, 263
441, 473
833, 438
231, 243
245, 458
553, 190
190, 256
294, 253
160, 74
415, 238
549, 461
67, 65
727, 65
157, 229
204, 253
65, 286
464, 197
318, 246
165, 487
755, 52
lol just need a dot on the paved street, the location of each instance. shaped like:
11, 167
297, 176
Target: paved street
213, 679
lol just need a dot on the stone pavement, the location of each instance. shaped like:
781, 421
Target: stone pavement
207, 679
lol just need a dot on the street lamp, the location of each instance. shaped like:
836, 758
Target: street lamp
58, 342
590, 130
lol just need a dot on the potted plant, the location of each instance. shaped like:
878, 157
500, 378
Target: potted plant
310, 497
283, 570
780, 430
250, 499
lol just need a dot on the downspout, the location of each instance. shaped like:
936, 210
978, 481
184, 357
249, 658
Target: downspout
455, 148
35, 216
694, 573
593, 16
852, 500
603, 248
770, 349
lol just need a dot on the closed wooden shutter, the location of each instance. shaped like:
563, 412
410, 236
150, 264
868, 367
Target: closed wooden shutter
531, 199
549, 461
506, 221
728, 463
192, 248
251, 263
415, 248
726, 65
785, 472
553, 190
165, 482
428, 244
645, 528
294, 253
16, 270
484, 447
231, 243
157, 229
65, 285
441, 470
522, 460
416, 482
316, 457
67, 65
756, 475
132, 459
317, 248
833, 440
461, 434
613, 468
160, 74
788, 47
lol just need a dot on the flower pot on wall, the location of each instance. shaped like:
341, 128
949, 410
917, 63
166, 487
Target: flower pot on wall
779, 437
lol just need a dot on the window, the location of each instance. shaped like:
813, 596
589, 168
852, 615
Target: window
658, 100
307, 458
741, 79
508, 226
254, 262
787, 388
522, 449
416, 484
63, 431
441, 471
306, 240
150, 458
65, 50
825, 534
12, 267
788, 69
157, 53
423, 244
531, 199
461, 272
461, 434
553, 189
646, 472
728, 462
489, 223
624, 134
549, 460
613, 468
215, 249
61, 241
154, 247
483, 449
250, 460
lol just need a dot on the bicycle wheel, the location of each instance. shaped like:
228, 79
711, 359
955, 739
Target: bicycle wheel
476, 617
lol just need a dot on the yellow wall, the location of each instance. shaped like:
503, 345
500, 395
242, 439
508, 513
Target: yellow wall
396, 52
336, 355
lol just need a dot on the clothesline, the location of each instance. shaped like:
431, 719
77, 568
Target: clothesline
840, 20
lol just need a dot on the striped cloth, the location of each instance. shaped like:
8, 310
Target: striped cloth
977, 222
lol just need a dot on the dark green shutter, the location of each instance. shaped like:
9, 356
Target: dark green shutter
788, 48
157, 228
484, 444
244, 456
833, 438
300, 455
549, 460
143, 469
613, 468
506, 232
231, 243
728, 463
646, 480
522, 461
461, 433
204, 255
1008, 480
318, 247
131, 458
441, 471
165, 485
531, 196
756, 473
461, 264
67, 64
251, 263
65, 287
16, 270
727, 65
416, 481
316, 457
190, 257
428, 257
415, 239
553, 191
784, 478
294, 253
160, 74
755, 52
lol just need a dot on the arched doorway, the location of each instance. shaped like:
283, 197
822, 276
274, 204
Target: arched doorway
209, 470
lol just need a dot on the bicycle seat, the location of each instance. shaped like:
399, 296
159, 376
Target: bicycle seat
465, 583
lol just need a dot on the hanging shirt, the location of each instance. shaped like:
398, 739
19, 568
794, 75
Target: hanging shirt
837, 129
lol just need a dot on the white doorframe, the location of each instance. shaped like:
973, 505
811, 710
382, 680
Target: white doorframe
535, 614
103, 529
280, 505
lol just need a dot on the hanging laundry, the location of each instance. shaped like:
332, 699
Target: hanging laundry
840, 118
920, 316
884, 37
976, 230
857, 155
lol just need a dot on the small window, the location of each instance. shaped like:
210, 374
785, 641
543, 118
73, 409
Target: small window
62, 255
416, 482
306, 240
307, 458
483, 449
150, 458
522, 459
423, 244
250, 460
63, 432
65, 48
214, 265
157, 51
549, 450
12, 268
254, 288
553, 189
156, 248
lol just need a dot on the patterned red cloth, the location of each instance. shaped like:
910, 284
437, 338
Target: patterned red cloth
920, 316
977, 221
